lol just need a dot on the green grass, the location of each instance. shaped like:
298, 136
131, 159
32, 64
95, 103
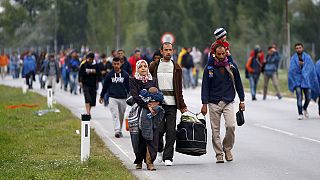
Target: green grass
283, 83
47, 147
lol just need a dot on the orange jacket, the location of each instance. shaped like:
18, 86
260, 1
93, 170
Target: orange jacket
4, 60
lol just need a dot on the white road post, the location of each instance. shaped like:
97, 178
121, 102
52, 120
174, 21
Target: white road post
49, 97
85, 137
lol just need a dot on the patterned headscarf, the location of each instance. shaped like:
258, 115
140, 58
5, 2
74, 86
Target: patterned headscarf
145, 78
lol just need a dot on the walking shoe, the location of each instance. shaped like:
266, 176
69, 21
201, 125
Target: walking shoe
306, 114
139, 166
117, 135
121, 135
279, 96
228, 155
168, 163
220, 159
300, 117
159, 156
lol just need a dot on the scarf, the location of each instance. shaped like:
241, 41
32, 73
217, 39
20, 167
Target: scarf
144, 78
225, 64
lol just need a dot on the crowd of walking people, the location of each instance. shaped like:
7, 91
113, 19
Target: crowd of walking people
154, 84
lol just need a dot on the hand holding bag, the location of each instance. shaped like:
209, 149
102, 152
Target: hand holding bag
240, 118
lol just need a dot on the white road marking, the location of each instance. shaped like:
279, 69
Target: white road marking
104, 130
287, 133
277, 130
310, 139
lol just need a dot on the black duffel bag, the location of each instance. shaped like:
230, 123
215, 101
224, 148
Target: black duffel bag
191, 136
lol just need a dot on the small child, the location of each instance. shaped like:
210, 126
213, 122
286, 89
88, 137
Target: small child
221, 38
154, 98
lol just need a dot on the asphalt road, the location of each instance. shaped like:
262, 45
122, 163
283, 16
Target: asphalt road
272, 144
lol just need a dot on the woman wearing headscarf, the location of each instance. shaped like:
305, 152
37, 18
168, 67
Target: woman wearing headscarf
144, 118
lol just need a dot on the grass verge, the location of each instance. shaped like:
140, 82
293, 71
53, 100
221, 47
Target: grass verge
47, 147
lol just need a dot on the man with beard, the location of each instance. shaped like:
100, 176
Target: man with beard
219, 83
302, 77
169, 80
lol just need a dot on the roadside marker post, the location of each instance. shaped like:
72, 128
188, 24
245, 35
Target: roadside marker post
49, 97
85, 137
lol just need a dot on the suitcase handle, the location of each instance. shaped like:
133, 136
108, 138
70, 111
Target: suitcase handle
196, 114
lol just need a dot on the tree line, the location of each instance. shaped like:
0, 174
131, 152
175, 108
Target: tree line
142, 22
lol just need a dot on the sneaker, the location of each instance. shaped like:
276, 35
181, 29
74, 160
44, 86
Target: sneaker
306, 114
300, 117
121, 135
168, 163
228, 155
117, 135
139, 166
220, 159
159, 157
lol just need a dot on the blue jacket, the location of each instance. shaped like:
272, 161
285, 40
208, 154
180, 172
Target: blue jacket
74, 65
272, 62
318, 73
217, 85
29, 65
305, 77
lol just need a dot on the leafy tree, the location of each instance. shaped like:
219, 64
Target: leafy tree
11, 19
306, 24
73, 22
165, 16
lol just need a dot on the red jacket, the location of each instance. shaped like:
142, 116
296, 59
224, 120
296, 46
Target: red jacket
133, 62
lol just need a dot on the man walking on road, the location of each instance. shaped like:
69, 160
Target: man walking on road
29, 69
219, 83
302, 77
270, 71
116, 84
89, 74
4, 61
125, 65
169, 80
52, 72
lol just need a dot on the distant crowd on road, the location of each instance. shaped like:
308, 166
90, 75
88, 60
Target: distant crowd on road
152, 85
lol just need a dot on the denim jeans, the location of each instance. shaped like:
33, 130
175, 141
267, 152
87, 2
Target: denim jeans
73, 82
188, 79
307, 96
253, 80
65, 79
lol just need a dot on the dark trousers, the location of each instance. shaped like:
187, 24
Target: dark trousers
307, 94
30, 78
168, 126
150, 146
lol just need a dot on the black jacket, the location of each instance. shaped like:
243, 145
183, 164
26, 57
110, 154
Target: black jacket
86, 78
116, 84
